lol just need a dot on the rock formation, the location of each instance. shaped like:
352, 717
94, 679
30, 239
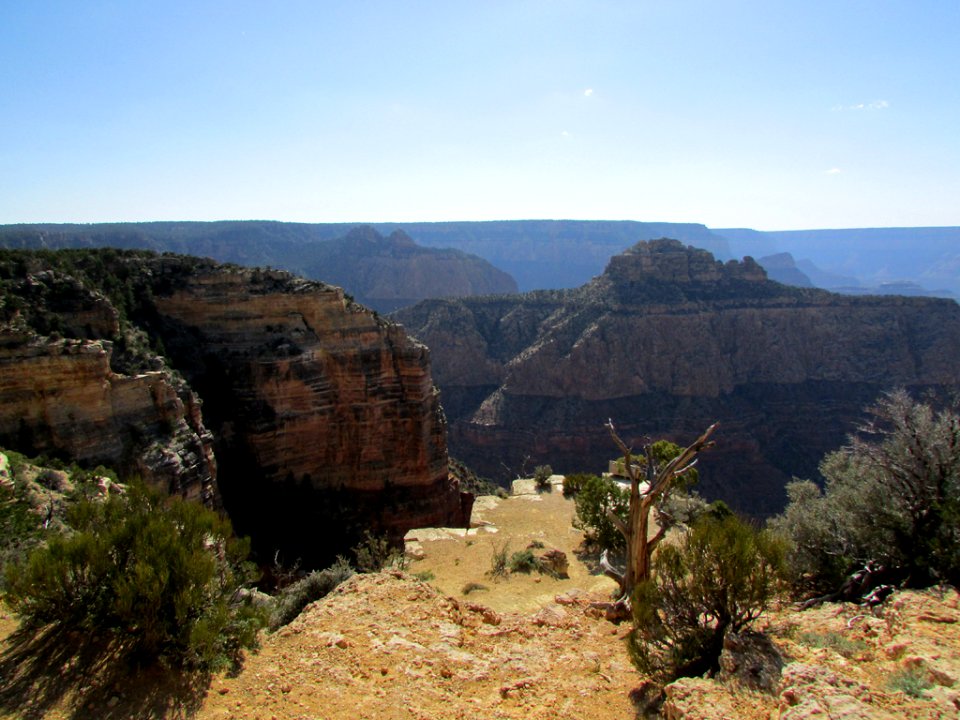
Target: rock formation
386, 273
325, 416
322, 417
59, 396
665, 342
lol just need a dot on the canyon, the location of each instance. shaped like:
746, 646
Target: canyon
383, 272
310, 418
665, 342
388, 265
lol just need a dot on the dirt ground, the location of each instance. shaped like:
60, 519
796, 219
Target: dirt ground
395, 646
514, 523
413, 646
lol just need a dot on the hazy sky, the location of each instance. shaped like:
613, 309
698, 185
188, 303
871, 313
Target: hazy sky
767, 114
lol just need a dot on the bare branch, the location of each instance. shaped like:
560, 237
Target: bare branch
616, 438
619, 524
678, 473
608, 569
655, 540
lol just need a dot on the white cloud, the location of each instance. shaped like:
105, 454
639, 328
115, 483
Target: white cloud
873, 105
588, 92
833, 171
566, 135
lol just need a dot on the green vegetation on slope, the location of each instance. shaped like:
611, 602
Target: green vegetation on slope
158, 573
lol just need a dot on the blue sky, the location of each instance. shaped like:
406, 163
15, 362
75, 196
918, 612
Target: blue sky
772, 115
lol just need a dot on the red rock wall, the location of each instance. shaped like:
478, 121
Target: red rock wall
325, 410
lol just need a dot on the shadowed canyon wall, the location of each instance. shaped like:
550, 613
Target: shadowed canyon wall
665, 342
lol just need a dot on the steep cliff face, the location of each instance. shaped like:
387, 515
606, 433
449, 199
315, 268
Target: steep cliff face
326, 417
665, 342
323, 418
62, 396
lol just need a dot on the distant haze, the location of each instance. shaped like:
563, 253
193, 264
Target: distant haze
537, 254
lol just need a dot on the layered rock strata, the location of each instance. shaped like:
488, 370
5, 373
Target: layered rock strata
326, 417
665, 342
322, 417
61, 395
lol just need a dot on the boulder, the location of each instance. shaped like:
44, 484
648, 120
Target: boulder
750, 659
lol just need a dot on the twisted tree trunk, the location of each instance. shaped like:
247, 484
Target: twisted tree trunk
646, 492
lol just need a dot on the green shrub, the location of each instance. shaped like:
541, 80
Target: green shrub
158, 572
541, 476
840, 644
523, 561
913, 681
719, 577
892, 499
595, 497
318, 584
21, 528
376, 552
573, 483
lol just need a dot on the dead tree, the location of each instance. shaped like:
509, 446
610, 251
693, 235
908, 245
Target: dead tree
649, 486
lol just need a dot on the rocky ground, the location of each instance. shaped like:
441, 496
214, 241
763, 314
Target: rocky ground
393, 645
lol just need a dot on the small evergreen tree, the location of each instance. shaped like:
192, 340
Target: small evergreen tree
596, 499
541, 476
159, 572
718, 578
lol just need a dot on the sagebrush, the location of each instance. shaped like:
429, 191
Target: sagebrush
891, 501
312, 587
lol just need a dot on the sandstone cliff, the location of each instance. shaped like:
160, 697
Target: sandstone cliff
62, 396
323, 418
665, 342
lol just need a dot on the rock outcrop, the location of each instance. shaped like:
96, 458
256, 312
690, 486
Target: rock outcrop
665, 342
60, 397
326, 419
319, 420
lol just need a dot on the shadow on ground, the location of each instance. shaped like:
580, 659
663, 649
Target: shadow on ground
83, 677
589, 554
